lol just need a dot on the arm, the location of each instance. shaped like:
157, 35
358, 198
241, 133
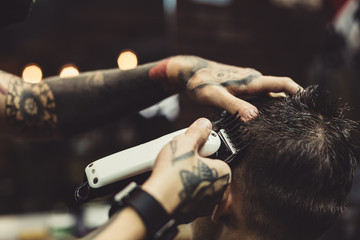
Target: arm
124, 225
71, 105
185, 184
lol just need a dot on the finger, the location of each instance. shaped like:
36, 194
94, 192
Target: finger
273, 84
220, 97
199, 132
277, 95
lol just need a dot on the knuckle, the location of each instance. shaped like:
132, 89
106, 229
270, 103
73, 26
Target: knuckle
187, 141
287, 80
208, 92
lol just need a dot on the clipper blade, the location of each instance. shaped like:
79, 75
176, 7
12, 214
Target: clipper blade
230, 129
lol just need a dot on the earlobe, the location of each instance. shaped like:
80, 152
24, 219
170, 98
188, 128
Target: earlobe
222, 209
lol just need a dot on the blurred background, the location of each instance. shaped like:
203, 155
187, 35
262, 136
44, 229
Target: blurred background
311, 41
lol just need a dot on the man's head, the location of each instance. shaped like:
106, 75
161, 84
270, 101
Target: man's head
291, 182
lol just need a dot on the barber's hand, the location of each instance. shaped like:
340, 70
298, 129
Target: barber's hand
218, 84
187, 185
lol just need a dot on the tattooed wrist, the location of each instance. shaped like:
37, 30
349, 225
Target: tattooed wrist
192, 65
158, 73
180, 68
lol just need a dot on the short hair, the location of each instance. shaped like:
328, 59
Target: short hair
297, 170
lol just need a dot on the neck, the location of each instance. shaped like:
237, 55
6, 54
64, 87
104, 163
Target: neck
230, 233
230, 229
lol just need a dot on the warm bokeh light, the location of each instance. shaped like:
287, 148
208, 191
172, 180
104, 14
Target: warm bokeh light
69, 71
127, 60
32, 73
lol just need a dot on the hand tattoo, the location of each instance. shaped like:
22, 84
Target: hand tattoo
244, 81
193, 180
183, 156
185, 74
173, 147
240, 82
203, 189
30, 107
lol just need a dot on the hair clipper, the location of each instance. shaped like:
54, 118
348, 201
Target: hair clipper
102, 175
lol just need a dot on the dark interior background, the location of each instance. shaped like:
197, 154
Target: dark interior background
299, 43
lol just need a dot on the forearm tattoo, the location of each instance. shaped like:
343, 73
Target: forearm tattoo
158, 73
98, 97
30, 108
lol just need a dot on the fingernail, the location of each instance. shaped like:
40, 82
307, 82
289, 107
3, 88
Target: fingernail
203, 123
249, 114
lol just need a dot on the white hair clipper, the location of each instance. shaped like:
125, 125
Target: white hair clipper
106, 172
137, 160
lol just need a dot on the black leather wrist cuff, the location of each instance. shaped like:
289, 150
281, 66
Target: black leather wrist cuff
159, 224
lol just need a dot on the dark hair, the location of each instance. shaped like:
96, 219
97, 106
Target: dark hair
295, 175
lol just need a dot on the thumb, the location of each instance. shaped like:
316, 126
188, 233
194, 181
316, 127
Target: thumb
199, 131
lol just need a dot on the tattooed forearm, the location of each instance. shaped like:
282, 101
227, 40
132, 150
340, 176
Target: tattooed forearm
158, 73
83, 102
94, 98
5, 79
30, 108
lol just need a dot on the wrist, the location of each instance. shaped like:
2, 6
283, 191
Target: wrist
181, 69
159, 73
157, 221
135, 230
165, 194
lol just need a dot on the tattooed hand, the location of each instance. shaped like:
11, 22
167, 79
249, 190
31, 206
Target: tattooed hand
218, 84
186, 184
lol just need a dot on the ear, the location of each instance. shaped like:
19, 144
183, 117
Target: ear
223, 207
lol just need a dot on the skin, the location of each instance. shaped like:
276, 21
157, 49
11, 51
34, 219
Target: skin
204, 79
58, 106
187, 185
226, 221
77, 104
179, 196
